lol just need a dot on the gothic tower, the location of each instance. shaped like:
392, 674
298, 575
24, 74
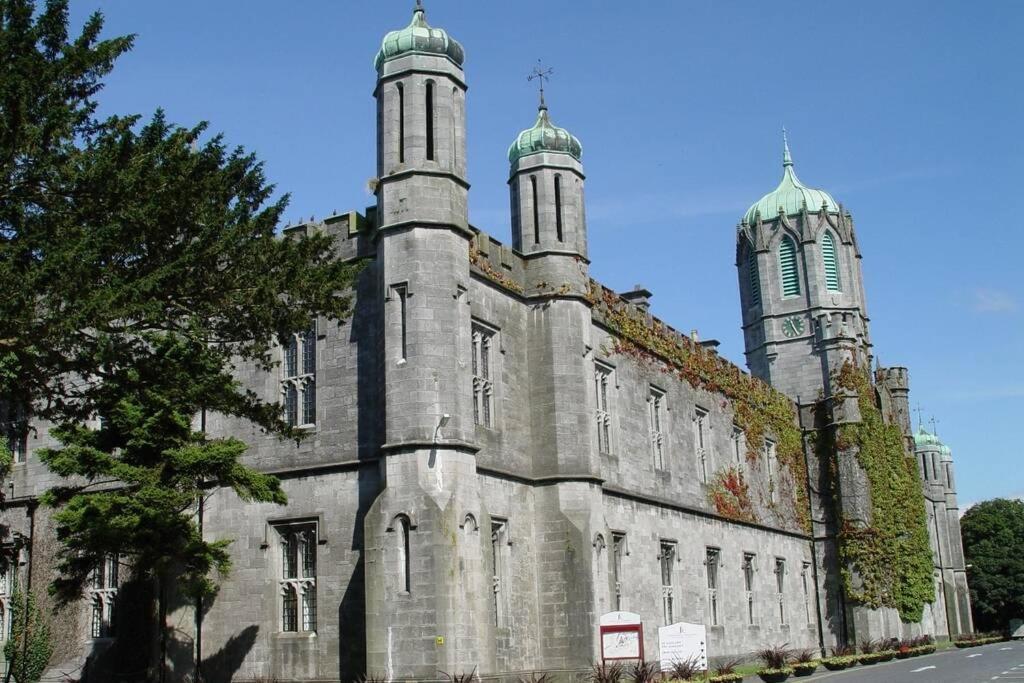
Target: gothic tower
801, 289
952, 607
423, 586
804, 316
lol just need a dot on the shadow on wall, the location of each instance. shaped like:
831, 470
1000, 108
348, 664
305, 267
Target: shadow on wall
126, 658
225, 663
364, 331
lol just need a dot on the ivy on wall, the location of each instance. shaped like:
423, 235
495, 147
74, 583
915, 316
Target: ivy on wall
759, 410
887, 563
485, 267
730, 495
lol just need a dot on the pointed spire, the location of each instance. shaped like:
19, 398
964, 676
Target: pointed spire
419, 15
541, 74
787, 159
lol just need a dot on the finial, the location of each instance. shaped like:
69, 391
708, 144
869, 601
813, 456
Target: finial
418, 7
934, 422
920, 420
787, 160
541, 74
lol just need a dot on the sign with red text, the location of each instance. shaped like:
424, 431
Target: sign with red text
622, 636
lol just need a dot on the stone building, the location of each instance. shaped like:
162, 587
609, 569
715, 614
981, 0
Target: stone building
501, 450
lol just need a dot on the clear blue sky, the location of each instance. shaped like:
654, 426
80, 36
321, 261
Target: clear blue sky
907, 112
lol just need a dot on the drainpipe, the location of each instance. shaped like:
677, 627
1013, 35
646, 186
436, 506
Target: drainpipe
199, 600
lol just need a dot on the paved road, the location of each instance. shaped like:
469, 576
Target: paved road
998, 662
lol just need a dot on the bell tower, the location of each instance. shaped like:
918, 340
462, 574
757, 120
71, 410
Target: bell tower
801, 289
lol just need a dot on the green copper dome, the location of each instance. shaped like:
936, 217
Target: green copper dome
791, 196
418, 36
544, 137
926, 440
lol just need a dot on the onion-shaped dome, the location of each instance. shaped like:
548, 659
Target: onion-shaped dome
419, 37
927, 441
791, 196
544, 137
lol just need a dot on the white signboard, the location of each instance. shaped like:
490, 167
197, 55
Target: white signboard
681, 642
621, 645
621, 636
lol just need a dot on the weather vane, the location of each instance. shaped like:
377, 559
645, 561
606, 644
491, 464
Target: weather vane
933, 423
541, 74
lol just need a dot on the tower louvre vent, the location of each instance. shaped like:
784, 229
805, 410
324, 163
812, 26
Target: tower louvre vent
787, 265
755, 279
828, 255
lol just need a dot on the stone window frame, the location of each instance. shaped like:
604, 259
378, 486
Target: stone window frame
712, 564
617, 556
738, 441
402, 524
8, 581
805, 571
399, 294
668, 555
605, 385
702, 441
780, 588
501, 542
770, 460
104, 582
298, 377
485, 338
15, 432
297, 603
657, 427
749, 568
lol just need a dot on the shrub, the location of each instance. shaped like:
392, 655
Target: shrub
607, 673
645, 672
534, 677
726, 667
462, 677
686, 669
868, 647
843, 650
774, 657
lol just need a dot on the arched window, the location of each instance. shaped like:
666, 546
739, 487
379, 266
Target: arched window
454, 120
401, 123
788, 268
536, 211
558, 206
755, 278
828, 256
430, 120
402, 550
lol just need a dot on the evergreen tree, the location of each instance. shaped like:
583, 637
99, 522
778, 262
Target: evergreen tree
140, 267
993, 536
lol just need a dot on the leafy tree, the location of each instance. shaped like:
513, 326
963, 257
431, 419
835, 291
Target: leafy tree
140, 268
993, 537
28, 650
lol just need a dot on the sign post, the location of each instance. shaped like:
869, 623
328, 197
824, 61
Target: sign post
622, 636
680, 642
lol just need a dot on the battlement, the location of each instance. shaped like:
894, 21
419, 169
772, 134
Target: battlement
895, 378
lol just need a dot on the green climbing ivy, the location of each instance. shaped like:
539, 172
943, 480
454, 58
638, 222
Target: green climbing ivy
29, 648
759, 410
889, 562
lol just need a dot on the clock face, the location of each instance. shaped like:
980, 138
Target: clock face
793, 327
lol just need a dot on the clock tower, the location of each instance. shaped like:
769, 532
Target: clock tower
801, 289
